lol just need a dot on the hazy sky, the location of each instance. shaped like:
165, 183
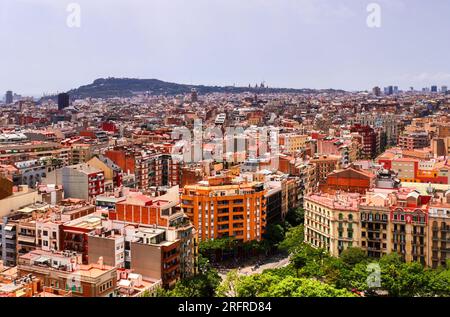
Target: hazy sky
286, 43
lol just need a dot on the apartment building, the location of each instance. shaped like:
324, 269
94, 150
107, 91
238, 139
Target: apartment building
388, 121
290, 143
75, 234
162, 211
220, 208
15, 197
370, 140
83, 181
414, 140
112, 172
153, 252
323, 166
80, 153
63, 270
349, 180
10, 154
439, 231
418, 171
381, 222
375, 225
332, 221
151, 167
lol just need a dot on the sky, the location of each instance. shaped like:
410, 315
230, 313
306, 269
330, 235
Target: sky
284, 43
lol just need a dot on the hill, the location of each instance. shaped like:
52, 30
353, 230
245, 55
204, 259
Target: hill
127, 87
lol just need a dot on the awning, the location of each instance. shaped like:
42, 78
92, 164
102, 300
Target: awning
9, 228
26, 239
42, 259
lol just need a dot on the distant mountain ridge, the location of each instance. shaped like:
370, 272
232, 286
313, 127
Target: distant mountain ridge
127, 87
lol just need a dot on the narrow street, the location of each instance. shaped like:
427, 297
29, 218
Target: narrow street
274, 262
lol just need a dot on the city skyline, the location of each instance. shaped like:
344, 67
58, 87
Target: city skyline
291, 44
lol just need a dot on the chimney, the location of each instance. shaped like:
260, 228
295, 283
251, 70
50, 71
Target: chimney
100, 263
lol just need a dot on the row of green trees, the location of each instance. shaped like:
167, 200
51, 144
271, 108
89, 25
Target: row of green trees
204, 284
355, 271
313, 272
219, 250
207, 282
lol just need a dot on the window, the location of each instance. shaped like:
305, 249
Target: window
350, 217
341, 217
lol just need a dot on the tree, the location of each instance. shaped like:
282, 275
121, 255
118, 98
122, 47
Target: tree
295, 217
353, 256
268, 284
438, 283
293, 240
313, 288
203, 284
274, 234
228, 286
255, 285
403, 279
299, 260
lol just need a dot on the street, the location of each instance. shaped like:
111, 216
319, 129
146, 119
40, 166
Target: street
274, 262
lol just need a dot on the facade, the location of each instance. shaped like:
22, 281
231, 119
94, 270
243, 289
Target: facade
75, 234
156, 256
150, 251
291, 143
80, 153
370, 140
332, 222
112, 172
381, 222
323, 166
439, 231
151, 168
415, 140
63, 270
9, 97
274, 205
63, 101
349, 180
219, 209
389, 122
83, 181
12, 153
413, 170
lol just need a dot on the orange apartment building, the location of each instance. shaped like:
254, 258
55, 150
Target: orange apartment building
219, 208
